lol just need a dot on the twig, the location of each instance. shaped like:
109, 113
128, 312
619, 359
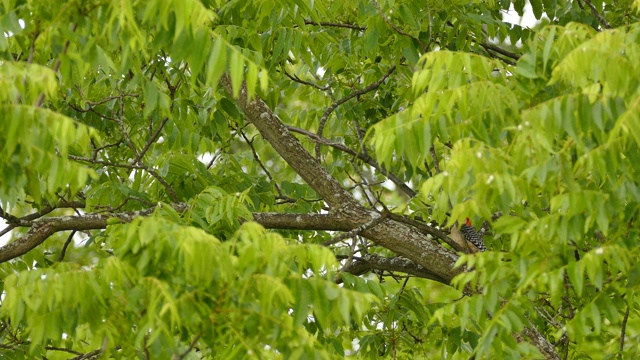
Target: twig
327, 113
360, 155
499, 50
352, 233
91, 109
191, 346
339, 25
363, 184
147, 356
6, 230
70, 351
125, 134
89, 355
152, 139
8, 217
66, 244
352, 251
423, 47
298, 80
497, 57
598, 16
624, 328
140, 166
257, 159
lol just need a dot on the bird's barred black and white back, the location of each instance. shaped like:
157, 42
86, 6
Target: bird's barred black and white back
472, 235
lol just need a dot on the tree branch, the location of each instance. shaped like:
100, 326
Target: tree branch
42, 229
597, 15
375, 262
499, 50
540, 342
400, 238
290, 149
360, 155
356, 231
624, 328
327, 113
423, 47
326, 222
339, 25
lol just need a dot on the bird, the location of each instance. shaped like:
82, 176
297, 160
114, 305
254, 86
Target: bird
471, 235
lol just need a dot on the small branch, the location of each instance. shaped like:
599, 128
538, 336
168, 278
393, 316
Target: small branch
352, 252
49, 208
539, 341
8, 217
430, 230
89, 355
66, 244
300, 81
123, 130
360, 155
327, 113
338, 25
364, 227
140, 166
257, 159
597, 15
191, 346
70, 351
423, 47
363, 185
624, 328
499, 50
7, 230
105, 100
152, 140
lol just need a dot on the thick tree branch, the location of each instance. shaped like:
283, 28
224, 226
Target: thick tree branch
358, 230
374, 262
277, 134
327, 222
42, 229
539, 341
400, 238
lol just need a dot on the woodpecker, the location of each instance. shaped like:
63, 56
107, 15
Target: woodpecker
471, 235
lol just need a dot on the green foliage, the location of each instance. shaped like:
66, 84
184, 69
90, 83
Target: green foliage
167, 284
114, 109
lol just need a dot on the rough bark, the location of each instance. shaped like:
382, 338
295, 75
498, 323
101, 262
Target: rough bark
41, 229
400, 238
